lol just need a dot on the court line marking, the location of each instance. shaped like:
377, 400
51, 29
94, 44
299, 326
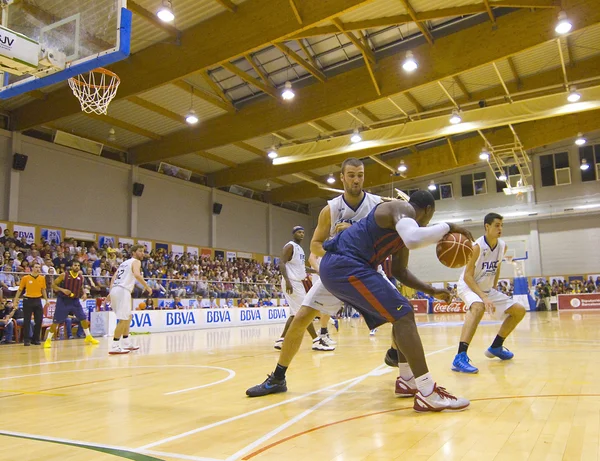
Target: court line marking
259, 410
366, 415
122, 452
231, 375
302, 415
20, 392
50, 363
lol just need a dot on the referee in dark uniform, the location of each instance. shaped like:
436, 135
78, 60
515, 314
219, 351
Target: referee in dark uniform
34, 286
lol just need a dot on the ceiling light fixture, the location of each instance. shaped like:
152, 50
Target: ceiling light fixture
191, 118
330, 179
484, 155
409, 64
455, 118
165, 12
563, 25
356, 137
584, 165
502, 177
402, 167
580, 141
112, 135
574, 95
287, 93
432, 186
272, 153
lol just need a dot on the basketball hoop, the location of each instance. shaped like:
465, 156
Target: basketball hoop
95, 90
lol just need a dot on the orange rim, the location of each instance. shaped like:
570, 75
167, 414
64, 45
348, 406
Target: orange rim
100, 70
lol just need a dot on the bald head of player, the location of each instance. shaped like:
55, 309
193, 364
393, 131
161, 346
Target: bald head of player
353, 176
424, 205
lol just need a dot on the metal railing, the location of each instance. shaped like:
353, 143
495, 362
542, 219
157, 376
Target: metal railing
98, 287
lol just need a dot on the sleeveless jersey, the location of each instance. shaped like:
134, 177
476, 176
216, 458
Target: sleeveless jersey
125, 278
73, 284
342, 212
366, 242
487, 264
295, 267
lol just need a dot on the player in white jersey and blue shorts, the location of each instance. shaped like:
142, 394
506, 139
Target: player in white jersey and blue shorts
477, 288
121, 287
339, 214
293, 275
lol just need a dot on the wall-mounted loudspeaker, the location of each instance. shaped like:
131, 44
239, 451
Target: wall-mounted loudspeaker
19, 162
138, 189
217, 207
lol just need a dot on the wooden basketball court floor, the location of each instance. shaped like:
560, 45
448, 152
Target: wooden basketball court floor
182, 397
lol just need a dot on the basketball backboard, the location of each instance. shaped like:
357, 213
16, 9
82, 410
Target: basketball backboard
43, 42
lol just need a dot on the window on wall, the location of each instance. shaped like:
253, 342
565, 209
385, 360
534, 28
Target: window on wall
409, 192
473, 184
591, 154
443, 191
555, 169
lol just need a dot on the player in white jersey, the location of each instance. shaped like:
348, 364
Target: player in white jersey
293, 276
477, 288
339, 214
121, 287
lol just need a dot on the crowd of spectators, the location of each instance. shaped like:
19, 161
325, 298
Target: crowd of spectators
170, 275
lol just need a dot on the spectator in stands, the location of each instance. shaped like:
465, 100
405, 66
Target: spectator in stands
7, 281
6, 238
35, 257
176, 304
7, 322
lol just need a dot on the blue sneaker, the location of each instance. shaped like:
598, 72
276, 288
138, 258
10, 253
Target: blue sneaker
501, 352
269, 386
462, 364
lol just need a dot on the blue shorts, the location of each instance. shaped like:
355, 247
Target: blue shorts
64, 306
358, 284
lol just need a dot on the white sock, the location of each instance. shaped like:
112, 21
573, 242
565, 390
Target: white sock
50, 335
405, 371
425, 384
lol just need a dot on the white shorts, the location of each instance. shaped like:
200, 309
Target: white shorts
295, 299
321, 300
500, 300
120, 302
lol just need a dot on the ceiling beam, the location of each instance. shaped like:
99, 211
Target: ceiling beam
513, 69
516, 32
216, 88
436, 159
452, 151
309, 67
256, 171
157, 109
326, 127
208, 97
250, 148
228, 4
489, 11
365, 50
296, 12
413, 15
368, 63
265, 87
414, 101
125, 125
152, 19
310, 57
264, 77
442, 13
462, 87
256, 23
367, 113
216, 158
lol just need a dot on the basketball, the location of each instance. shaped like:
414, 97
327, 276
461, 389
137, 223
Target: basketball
454, 250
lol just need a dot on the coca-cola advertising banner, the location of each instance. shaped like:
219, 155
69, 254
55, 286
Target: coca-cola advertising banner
419, 306
440, 307
579, 301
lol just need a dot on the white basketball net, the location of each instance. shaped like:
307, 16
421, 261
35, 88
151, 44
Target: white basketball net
95, 90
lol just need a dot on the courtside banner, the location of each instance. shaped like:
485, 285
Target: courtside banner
419, 305
579, 301
452, 308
